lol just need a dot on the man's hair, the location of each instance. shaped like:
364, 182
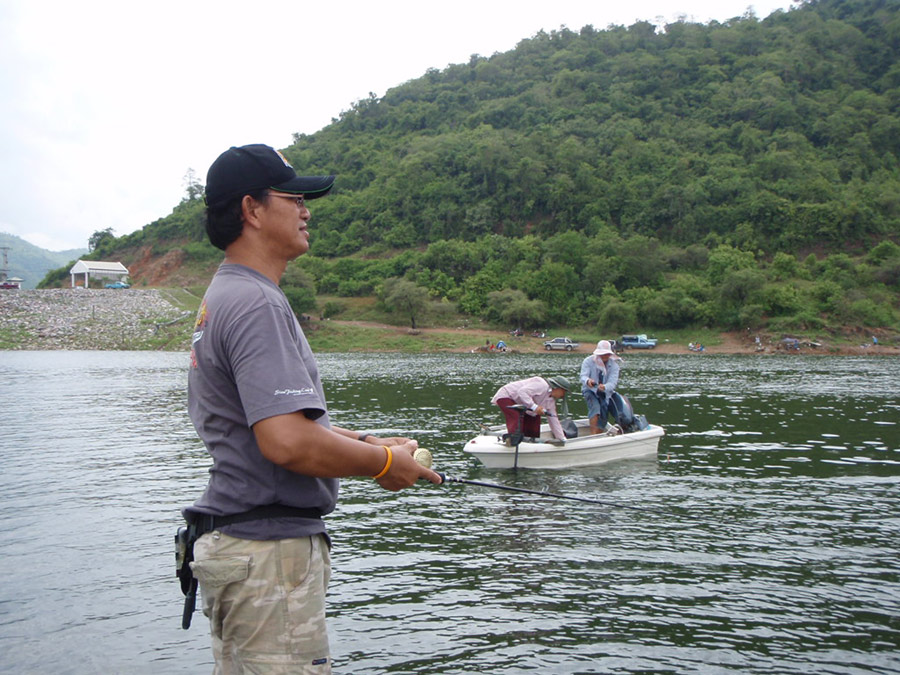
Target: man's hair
225, 223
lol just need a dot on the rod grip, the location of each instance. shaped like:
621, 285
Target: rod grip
423, 457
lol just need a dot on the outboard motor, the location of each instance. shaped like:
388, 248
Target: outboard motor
624, 414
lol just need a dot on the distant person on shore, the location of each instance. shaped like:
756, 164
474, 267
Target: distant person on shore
599, 379
256, 400
539, 395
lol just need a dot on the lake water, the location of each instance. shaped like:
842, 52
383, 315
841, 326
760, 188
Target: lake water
765, 538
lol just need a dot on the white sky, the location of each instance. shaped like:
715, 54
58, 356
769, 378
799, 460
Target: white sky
106, 104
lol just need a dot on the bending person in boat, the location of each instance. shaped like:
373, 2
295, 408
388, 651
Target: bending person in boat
599, 378
539, 395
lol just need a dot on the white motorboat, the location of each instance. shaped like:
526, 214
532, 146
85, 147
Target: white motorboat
545, 452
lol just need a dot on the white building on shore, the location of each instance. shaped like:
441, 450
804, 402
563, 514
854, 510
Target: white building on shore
87, 269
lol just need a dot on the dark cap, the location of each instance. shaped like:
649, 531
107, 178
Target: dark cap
238, 171
559, 382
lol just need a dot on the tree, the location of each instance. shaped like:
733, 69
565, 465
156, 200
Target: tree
514, 308
97, 239
643, 264
403, 296
193, 188
724, 260
299, 289
475, 289
616, 317
301, 300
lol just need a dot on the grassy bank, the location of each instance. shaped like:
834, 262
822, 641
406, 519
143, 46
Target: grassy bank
334, 336
162, 319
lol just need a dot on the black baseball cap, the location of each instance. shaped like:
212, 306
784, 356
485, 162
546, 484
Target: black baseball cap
238, 171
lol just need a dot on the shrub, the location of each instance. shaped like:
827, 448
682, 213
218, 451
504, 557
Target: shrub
883, 251
200, 251
751, 316
802, 321
349, 288
889, 273
332, 308
870, 313
784, 266
781, 299
828, 295
301, 299
617, 317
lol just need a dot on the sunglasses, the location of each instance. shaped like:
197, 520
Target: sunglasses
299, 200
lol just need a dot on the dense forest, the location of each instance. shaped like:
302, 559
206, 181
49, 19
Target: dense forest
736, 174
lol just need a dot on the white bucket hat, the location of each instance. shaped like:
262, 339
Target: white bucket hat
603, 347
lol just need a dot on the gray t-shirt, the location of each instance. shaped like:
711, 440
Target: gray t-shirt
249, 361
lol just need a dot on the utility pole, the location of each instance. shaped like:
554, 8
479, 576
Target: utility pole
4, 271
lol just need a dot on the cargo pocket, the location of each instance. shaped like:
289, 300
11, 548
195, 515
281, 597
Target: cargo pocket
218, 572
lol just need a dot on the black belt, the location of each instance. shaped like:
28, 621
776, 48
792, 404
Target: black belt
201, 523
205, 522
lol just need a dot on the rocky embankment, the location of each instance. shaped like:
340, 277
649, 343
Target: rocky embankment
78, 318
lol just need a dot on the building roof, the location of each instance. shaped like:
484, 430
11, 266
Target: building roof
83, 266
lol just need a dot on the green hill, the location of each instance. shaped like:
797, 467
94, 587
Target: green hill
737, 174
30, 262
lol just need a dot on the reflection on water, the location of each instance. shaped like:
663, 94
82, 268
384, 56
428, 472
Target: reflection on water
763, 539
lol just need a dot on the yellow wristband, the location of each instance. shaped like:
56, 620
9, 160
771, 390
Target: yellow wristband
387, 464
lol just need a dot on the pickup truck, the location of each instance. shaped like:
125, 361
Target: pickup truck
637, 342
561, 343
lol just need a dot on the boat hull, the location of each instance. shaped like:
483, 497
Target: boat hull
585, 450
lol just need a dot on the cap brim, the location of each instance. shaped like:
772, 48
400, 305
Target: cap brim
311, 187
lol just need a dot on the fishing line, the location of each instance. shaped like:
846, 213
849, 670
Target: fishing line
423, 457
541, 493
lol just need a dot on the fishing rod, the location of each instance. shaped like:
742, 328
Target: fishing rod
423, 457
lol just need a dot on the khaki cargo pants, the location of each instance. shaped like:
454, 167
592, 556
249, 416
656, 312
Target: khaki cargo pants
265, 601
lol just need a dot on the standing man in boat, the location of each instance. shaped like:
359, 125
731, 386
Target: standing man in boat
256, 400
599, 378
539, 395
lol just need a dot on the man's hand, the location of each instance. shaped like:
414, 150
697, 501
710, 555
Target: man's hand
405, 470
391, 441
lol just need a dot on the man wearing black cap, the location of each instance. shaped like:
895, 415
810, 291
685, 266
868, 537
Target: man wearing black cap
256, 401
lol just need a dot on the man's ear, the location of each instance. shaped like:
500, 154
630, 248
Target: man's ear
250, 209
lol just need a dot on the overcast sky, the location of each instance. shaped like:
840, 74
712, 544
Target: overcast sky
106, 105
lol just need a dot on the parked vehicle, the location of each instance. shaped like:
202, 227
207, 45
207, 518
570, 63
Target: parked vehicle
8, 284
561, 343
118, 284
638, 342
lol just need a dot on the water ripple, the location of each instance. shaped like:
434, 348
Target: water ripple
763, 540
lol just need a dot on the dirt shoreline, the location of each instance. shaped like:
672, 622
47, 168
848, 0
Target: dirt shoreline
99, 319
731, 343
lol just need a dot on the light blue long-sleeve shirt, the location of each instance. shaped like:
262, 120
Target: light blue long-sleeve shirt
592, 370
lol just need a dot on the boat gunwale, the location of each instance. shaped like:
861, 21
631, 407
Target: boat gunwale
577, 446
